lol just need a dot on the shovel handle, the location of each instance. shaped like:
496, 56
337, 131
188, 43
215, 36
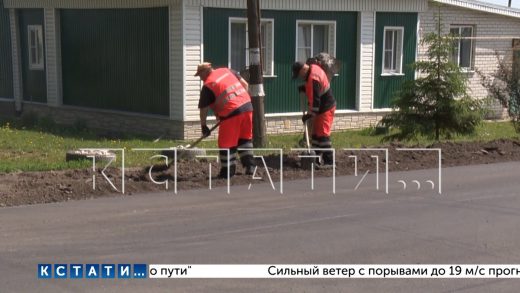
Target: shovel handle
307, 136
203, 137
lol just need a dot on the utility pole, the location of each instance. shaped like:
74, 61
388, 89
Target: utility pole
256, 80
510, 3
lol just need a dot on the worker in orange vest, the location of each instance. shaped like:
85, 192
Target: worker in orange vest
225, 93
321, 106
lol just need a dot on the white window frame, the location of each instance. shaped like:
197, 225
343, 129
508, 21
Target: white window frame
268, 72
38, 30
399, 67
332, 48
460, 27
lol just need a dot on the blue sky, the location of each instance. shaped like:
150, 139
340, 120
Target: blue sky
516, 3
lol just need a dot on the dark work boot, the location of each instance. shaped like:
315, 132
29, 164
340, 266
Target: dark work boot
328, 159
224, 172
246, 155
248, 161
250, 170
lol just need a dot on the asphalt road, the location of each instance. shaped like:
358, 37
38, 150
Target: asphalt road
474, 221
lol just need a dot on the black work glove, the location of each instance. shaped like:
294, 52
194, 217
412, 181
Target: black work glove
301, 89
206, 131
306, 117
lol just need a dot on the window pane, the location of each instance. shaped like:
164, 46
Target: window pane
39, 58
467, 32
389, 50
304, 42
263, 33
466, 47
304, 35
465, 54
395, 53
39, 47
238, 46
33, 56
388, 39
397, 50
32, 38
454, 31
388, 61
304, 54
455, 49
264, 43
321, 39
263, 60
455, 52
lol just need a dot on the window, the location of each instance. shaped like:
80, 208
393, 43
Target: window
313, 38
462, 54
393, 50
239, 45
35, 46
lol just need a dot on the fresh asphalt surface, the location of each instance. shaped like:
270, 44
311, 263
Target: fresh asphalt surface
475, 221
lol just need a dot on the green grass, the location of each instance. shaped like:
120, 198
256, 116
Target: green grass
23, 149
38, 149
366, 138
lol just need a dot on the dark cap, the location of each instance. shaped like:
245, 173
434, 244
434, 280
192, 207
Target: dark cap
297, 66
203, 67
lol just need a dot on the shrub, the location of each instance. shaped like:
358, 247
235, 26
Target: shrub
436, 104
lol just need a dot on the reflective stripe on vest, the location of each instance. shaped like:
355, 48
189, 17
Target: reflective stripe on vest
229, 92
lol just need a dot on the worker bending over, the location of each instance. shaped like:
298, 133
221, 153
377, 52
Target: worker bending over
321, 106
226, 93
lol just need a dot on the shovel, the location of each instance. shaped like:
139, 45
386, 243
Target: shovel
307, 162
191, 146
189, 151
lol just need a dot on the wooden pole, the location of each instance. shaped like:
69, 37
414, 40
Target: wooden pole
256, 87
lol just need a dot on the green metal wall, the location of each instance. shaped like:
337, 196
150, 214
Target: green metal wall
34, 81
116, 59
6, 65
385, 87
281, 93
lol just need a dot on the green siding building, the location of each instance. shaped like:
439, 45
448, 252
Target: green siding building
128, 65
280, 88
6, 69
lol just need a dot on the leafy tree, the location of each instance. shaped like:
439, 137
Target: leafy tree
436, 104
504, 86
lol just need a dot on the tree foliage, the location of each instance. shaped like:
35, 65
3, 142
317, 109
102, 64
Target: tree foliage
504, 86
436, 104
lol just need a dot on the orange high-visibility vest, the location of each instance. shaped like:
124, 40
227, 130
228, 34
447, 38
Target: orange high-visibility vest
229, 92
319, 75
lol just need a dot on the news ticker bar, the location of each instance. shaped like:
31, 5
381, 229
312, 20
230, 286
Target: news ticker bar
171, 271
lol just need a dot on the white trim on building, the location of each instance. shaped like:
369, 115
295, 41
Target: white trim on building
264, 22
326, 5
53, 57
396, 62
17, 60
331, 37
366, 61
88, 4
460, 32
35, 51
482, 7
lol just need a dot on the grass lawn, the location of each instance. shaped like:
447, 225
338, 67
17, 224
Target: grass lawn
34, 149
